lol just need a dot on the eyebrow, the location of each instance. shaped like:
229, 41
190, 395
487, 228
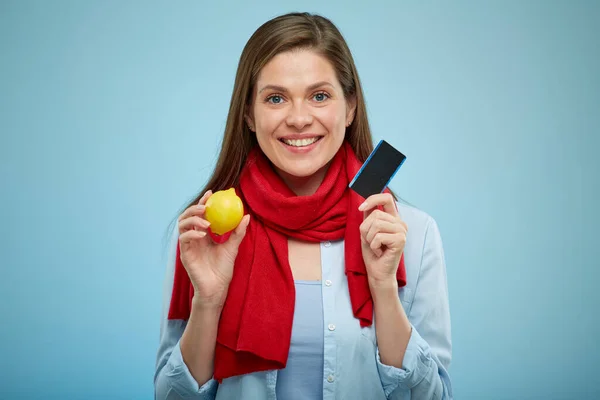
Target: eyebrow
282, 89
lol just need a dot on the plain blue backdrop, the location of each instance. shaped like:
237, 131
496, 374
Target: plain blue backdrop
111, 114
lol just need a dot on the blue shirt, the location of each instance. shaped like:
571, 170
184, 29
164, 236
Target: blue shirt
352, 367
302, 377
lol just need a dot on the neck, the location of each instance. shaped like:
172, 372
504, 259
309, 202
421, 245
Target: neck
304, 185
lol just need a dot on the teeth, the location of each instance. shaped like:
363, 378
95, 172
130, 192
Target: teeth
300, 142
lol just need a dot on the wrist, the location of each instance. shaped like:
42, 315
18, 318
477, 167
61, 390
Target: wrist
213, 303
384, 289
386, 284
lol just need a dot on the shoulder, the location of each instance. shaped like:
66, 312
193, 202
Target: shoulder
418, 221
421, 237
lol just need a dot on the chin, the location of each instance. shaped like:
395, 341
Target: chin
299, 170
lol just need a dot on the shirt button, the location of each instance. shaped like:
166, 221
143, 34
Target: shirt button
327, 243
331, 327
330, 378
327, 282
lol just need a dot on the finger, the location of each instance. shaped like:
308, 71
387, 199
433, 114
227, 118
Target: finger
195, 210
191, 236
370, 217
376, 213
376, 250
198, 208
193, 223
381, 226
205, 197
240, 231
386, 200
389, 240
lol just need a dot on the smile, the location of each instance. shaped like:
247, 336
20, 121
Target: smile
301, 142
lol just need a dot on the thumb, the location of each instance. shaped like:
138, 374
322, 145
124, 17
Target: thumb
240, 232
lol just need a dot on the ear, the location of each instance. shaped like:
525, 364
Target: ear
350, 110
249, 121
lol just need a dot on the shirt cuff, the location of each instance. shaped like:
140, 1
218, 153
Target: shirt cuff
183, 382
416, 365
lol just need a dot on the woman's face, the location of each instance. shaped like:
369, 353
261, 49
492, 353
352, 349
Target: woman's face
299, 112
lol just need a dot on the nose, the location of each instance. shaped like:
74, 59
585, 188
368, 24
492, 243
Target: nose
299, 116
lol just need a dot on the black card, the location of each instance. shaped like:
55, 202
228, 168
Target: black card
378, 170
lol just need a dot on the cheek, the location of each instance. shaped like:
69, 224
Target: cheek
267, 122
334, 119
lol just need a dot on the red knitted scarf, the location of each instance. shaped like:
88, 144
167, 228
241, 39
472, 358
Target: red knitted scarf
256, 321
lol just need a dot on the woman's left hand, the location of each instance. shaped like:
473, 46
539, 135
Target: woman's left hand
382, 237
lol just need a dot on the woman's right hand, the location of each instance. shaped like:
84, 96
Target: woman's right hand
208, 264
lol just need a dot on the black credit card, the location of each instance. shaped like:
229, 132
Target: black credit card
378, 170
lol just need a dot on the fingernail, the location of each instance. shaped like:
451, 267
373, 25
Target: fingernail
362, 206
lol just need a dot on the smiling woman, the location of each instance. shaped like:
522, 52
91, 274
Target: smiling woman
300, 114
314, 294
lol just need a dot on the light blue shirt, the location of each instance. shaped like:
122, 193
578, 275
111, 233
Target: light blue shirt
352, 368
302, 377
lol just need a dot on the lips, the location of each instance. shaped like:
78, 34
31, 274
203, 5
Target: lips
301, 142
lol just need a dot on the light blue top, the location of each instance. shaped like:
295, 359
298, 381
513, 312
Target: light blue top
302, 378
352, 368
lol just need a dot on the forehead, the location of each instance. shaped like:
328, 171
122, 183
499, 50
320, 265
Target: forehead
297, 68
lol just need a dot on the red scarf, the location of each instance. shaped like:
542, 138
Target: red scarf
256, 321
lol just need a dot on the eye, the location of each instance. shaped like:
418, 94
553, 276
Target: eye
274, 99
321, 96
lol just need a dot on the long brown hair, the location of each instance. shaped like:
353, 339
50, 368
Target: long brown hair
284, 33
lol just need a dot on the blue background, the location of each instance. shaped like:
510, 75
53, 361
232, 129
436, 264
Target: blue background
111, 114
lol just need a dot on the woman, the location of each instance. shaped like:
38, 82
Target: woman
317, 293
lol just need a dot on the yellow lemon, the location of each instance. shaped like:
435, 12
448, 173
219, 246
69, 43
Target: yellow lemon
224, 211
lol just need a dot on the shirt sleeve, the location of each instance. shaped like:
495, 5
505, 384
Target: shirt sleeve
424, 372
172, 378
